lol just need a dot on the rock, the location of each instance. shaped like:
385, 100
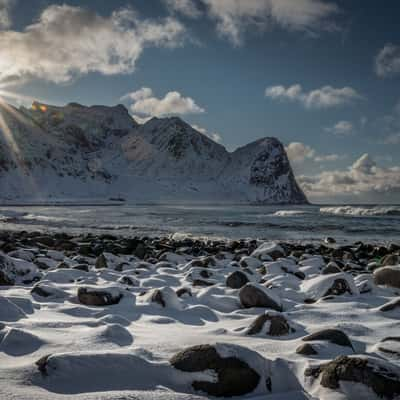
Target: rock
128, 280
255, 295
389, 276
140, 250
6, 280
382, 377
45, 240
327, 285
98, 297
331, 268
236, 279
201, 282
335, 336
390, 260
183, 291
165, 297
329, 240
277, 325
306, 349
101, 262
234, 377
268, 250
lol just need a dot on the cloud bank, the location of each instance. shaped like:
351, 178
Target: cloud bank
363, 178
324, 97
235, 17
69, 41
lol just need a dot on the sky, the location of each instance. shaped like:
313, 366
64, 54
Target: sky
323, 76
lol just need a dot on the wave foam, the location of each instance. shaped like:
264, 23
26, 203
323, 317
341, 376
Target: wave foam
362, 211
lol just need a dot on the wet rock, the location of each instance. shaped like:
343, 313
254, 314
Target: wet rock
382, 377
236, 279
277, 325
255, 295
389, 276
335, 336
234, 376
6, 279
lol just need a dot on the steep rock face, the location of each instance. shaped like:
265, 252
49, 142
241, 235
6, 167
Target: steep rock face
75, 152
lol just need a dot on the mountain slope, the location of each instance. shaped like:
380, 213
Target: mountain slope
77, 152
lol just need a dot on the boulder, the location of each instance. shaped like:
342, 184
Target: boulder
389, 276
236, 279
99, 297
331, 335
331, 268
327, 285
382, 377
234, 377
270, 324
306, 349
390, 260
256, 295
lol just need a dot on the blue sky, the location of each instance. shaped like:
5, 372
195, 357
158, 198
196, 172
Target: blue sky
322, 76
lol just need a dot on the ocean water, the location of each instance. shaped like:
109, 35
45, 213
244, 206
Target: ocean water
344, 223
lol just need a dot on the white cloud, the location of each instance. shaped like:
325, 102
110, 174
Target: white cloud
145, 103
341, 128
324, 97
185, 7
5, 8
298, 153
387, 62
364, 178
235, 17
212, 135
68, 41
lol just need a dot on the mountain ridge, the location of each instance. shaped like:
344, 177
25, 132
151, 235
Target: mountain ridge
75, 152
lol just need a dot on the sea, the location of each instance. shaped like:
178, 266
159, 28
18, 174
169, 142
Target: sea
345, 223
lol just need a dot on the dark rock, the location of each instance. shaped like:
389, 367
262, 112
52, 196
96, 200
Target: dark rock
5, 279
236, 279
45, 240
235, 377
340, 286
182, 291
201, 282
81, 267
97, 297
101, 262
335, 336
41, 291
252, 295
380, 376
278, 325
306, 349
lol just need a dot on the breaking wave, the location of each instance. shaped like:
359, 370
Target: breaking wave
362, 211
288, 213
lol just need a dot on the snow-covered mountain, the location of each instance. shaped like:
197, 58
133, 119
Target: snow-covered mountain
96, 153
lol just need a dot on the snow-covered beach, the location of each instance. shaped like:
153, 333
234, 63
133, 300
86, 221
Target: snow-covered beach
98, 316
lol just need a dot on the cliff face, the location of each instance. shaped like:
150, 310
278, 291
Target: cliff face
76, 152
